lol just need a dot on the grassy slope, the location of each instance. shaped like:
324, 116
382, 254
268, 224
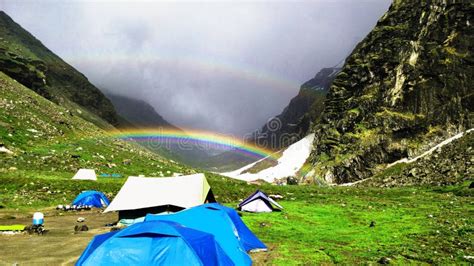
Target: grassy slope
64, 84
47, 138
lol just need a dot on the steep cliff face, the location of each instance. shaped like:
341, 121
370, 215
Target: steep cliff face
295, 120
407, 85
28, 61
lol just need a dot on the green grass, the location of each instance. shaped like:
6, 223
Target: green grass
332, 226
318, 225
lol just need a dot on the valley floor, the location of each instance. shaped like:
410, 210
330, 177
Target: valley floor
318, 225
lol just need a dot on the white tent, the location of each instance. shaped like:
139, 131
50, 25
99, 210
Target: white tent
142, 195
85, 174
259, 202
257, 205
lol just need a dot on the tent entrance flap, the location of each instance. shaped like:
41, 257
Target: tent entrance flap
137, 213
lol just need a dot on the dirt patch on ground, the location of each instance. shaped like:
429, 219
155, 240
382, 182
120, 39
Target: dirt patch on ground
60, 246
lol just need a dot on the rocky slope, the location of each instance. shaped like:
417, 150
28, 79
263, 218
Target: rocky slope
405, 87
295, 120
447, 165
28, 61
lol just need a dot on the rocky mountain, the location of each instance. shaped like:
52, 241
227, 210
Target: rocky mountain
25, 59
407, 86
139, 113
295, 120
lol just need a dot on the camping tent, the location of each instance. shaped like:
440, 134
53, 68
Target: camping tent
91, 198
246, 237
85, 174
142, 195
154, 243
214, 219
259, 202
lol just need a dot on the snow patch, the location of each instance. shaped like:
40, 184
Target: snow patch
289, 163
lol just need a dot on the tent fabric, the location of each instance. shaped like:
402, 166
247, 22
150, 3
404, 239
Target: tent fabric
214, 219
147, 192
154, 243
257, 205
91, 198
257, 201
93, 245
85, 174
246, 237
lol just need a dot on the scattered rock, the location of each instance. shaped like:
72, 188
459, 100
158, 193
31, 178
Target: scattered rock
81, 228
5, 150
275, 196
384, 260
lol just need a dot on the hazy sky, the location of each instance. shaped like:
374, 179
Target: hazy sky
224, 66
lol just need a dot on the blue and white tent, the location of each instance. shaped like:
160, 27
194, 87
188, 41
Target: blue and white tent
154, 243
222, 222
259, 202
91, 198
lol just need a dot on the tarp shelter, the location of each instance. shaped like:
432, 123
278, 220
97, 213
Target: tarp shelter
154, 243
142, 195
226, 226
259, 202
91, 198
85, 174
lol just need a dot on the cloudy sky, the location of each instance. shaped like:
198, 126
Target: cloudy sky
223, 66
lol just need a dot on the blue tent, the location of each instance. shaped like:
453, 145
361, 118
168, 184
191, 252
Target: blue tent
246, 237
154, 243
91, 198
214, 219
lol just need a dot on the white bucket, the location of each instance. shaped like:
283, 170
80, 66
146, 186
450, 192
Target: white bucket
38, 218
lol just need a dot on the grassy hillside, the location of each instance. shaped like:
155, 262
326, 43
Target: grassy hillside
43, 136
28, 61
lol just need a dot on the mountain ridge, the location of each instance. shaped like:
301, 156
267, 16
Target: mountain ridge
138, 112
294, 122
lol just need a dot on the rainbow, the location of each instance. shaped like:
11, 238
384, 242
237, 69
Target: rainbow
200, 139
195, 64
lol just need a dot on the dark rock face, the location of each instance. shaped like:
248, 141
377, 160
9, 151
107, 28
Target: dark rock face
406, 86
27, 60
295, 120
